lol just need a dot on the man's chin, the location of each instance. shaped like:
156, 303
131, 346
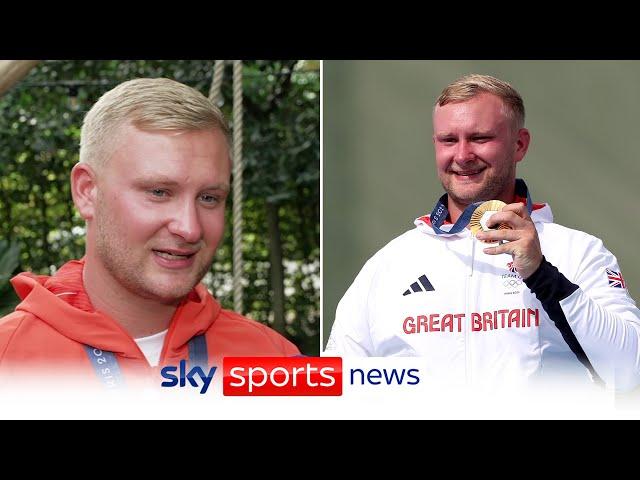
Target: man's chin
467, 196
167, 297
170, 287
171, 291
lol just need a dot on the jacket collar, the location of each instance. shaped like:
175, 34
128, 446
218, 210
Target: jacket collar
540, 213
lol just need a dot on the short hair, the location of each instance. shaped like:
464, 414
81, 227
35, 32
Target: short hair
148, 104
473, 84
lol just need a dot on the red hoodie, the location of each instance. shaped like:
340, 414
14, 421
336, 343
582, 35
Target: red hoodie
51, 327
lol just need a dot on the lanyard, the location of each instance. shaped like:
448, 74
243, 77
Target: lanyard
105, 364
440, 211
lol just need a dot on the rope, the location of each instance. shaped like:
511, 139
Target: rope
216, 83
237, 185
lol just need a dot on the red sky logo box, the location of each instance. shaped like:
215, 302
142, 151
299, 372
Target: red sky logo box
278, 376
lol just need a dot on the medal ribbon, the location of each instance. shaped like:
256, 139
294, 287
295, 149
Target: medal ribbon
440, 211
105, 364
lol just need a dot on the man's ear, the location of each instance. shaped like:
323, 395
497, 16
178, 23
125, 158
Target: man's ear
522, 144
84, 189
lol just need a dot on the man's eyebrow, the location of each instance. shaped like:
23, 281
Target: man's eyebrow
476, 133
155, 180
484, 133
219, 186
163, 180
444, 135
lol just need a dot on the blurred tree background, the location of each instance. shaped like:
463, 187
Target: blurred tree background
40, 120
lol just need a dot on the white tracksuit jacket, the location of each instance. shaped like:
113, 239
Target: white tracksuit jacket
474, 320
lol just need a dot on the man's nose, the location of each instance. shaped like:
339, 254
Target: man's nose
464, 152
186, 222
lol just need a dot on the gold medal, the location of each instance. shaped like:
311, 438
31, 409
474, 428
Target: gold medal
481, 215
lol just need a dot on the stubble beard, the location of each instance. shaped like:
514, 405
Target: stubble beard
127, 268
491, 189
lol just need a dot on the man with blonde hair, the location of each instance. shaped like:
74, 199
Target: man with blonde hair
151, 184
556, 305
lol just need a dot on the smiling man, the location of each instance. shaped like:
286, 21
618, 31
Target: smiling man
487, 288
151, 184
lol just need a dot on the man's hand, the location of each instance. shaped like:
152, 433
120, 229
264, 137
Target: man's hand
523, 243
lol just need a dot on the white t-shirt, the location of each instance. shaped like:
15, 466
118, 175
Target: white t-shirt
151, 346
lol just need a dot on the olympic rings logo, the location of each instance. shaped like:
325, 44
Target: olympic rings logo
512, 282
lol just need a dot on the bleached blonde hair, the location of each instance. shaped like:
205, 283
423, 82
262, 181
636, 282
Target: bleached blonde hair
474, 84
148, 104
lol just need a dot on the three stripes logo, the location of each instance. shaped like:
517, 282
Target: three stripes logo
422, 285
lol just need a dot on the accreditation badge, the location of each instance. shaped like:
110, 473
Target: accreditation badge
481, 215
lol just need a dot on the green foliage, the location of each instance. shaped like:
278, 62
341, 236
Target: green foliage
9, 260
40, 121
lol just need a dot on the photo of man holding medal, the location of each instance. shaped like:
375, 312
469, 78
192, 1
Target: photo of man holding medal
486, 287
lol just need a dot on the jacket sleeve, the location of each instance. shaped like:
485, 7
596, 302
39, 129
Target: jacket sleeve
599, 322
350, 334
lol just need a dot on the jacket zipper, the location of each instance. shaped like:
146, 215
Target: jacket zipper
467, 325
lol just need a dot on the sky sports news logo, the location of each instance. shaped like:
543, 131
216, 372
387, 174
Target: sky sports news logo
293, 376
263, 376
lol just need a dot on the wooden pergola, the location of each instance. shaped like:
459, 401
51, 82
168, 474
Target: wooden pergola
12, 71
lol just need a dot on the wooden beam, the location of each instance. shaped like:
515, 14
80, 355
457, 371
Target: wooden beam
12, 71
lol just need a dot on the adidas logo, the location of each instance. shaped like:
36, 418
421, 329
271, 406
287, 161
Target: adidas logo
415, 286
